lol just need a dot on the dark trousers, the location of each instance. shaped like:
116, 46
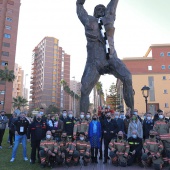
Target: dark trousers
94, 152
106, 146
11, 136
2, 131
35, 145
133, 158
101, 150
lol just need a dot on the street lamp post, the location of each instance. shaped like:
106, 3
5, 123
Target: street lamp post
145, 92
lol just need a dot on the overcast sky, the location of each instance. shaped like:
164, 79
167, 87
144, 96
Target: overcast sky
139, 23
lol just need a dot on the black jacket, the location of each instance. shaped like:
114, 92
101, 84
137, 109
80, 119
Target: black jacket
120, 124
11, 123
108, 127
37, 130
146, 128
69, 126
135, 144
21, 126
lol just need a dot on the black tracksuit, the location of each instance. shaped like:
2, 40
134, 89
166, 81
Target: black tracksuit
135, 144
108, 126
37, 131
69, 126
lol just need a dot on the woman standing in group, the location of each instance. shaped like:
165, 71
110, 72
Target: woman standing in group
95, 137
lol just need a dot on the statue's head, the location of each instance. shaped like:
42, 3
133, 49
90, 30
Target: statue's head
99, 11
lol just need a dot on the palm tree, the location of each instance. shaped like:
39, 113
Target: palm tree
6, 76
99, 91
68, 90
19, 102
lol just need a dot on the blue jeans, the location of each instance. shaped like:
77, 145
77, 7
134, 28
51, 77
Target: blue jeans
18, 139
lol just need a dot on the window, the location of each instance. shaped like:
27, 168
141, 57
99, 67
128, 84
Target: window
11, 2
9, 19
166, 105
1, 102
164, 78
9, 10
7, 36
7, 27
163, 67
165, 91
161, 54
6, 44
149, 67
4, 63
4, 53
2, 92
168, 54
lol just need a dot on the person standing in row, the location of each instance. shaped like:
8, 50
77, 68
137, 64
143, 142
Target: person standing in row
69, 124
56, 127
11, 126
36, 131
110, 128
21, 127
3, 122
101, 119
95, 137
148, 124
135, 124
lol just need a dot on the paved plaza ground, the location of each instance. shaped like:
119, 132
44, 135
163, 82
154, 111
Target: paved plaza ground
101, 166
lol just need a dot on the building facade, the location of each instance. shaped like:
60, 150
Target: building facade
9, 16
74, 103
50, 64
18, 82
153, 72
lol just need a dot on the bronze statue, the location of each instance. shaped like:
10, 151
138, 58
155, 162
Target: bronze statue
101, 54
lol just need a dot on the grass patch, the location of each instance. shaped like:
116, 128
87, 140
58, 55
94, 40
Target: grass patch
19, 163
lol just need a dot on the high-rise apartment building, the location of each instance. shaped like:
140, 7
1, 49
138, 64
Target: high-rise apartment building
9, 16
50, 64
153, 72
18, 82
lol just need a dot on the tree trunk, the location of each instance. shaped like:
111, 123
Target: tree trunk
4, 96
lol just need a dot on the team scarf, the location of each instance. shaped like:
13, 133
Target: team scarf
103, 32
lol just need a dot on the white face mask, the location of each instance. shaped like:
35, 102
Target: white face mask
70, 115
87, 116
122, 116
48, 136
81, 116
148, 118
134, 136
81, 138
135, 113
64, 114
41, 113
161, 116
116, 117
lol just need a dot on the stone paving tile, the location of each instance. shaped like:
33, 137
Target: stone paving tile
99, 166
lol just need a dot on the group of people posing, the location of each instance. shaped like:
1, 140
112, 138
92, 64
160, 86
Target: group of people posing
59, 139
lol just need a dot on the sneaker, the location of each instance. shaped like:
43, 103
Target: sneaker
0, 147
12, 160
25, 159
10, 147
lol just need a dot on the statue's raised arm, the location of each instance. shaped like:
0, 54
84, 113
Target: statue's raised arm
81, 12
111, 9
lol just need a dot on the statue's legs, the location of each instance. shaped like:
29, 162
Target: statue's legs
89, 79
119, 70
